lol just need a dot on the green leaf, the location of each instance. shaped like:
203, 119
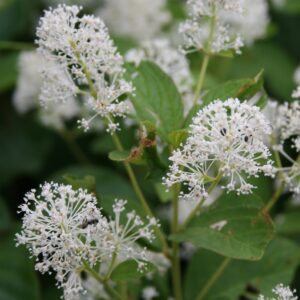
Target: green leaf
8, 70
24, 148
18, 280
119, 155
156, 98
244, 230
86, 182
289, 222
5, 218
241, 88
128, 270
278, 265
177, 137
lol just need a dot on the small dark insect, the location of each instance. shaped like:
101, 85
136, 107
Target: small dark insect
248, 137
223, 131
87, 222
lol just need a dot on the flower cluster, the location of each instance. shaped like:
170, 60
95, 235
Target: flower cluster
282, 293
288, 122
29, 85
65, 230
207, 27
84, 52
252, 23
136, 19
171, 61
226, 139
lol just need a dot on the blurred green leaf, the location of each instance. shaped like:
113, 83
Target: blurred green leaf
241, 88
18, 279
234, 227
177, 137
156, 98
86, 182
288, 223
5, 218
8, 70
128, 270
15, 16
24, 149
119, 155
278, 265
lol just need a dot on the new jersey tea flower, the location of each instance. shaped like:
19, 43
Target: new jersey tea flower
136, 19
207, 27
281, 292
226, 139
66, 232
83, 49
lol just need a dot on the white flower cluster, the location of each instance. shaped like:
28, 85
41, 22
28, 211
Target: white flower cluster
86, 56
29, 86
65, 230
136, 19
85, 3
225, 138
282, 293
207, 28
170, 60
288, 122
252, 23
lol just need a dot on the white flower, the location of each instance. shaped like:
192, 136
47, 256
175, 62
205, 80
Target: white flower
84, 51
136, 19
65, 231
207, 27
291, 174
149, 293
124, 236
54, 231
29, 86
297, 75
252, 23
29, 82
170, 60
85, 3
282, 293
288, 122
225, 138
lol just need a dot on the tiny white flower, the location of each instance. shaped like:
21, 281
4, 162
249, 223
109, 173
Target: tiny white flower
136, 19
207, 27
225, 138
149, 293
92, 68
281, 293
65, 231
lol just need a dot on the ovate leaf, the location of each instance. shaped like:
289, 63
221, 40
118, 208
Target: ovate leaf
234, 227
156, 98
128, 270
278, 265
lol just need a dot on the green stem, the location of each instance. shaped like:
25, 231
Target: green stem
212, 280
73, 146
85, 69
196, 210
111, 266
101, 280
206, 57
201, 78
10, 45
139, 193
123, 289
176, 272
